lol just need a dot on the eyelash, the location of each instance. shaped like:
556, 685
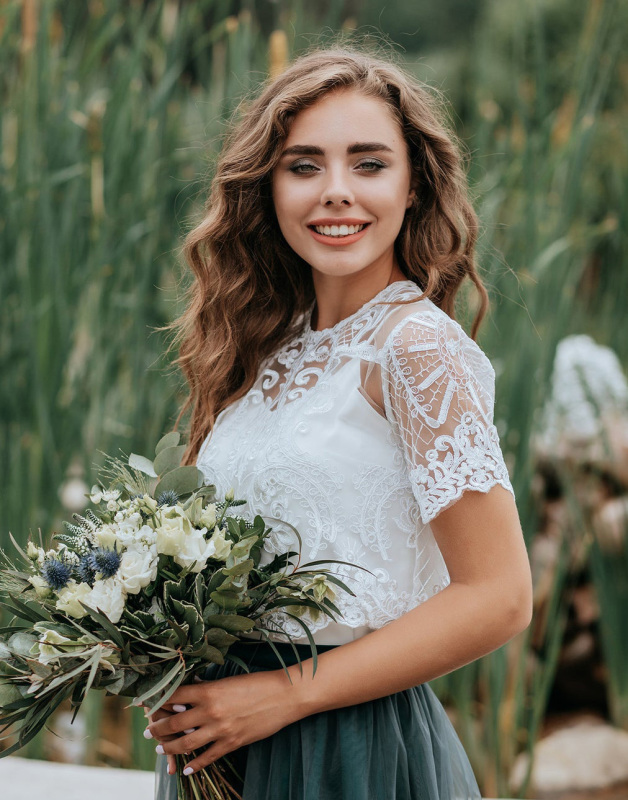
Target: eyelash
295, 167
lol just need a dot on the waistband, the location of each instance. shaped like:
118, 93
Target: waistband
261, 654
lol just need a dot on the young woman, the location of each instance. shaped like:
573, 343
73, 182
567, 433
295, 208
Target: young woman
331, 386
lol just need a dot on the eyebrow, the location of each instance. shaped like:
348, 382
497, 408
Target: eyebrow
357, 147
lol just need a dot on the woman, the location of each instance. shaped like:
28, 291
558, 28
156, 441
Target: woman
331, 385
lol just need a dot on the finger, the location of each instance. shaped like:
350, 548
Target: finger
172, 765
181, 745
207, 757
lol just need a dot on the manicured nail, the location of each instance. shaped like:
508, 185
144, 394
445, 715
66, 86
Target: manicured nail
178, 707
135, 702
190, 730
159, 749
148, 734
170, 773
188, 770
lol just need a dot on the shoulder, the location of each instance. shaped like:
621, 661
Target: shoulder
425, 353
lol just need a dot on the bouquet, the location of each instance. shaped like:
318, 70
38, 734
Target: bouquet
140, 594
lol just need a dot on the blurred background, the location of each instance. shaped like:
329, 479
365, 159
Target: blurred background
111, 117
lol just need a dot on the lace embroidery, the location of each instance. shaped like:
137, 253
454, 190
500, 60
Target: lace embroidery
440, 393
304, 445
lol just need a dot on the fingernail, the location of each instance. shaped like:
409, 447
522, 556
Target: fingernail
178, 707
148, 734
188, 770
159, 749
169, 773
197, 679
190, 730
135, 701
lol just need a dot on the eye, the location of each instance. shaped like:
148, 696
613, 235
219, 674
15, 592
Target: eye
302, 167
372, 166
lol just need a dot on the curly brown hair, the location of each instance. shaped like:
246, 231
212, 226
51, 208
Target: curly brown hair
249, 285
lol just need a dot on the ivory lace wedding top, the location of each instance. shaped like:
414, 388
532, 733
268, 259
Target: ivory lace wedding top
310, 444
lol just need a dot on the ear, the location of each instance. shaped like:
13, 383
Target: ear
411, 198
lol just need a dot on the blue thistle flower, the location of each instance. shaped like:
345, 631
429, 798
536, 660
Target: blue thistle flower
104, 561
85, 570
168, 498
56, 573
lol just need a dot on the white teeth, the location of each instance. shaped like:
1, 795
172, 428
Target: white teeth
337, 230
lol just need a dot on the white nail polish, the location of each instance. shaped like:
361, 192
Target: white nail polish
148, 734
178, 707
190, 730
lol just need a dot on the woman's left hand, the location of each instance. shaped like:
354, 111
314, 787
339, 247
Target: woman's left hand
227, 713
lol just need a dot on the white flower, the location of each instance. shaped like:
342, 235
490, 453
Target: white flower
109, 596
138, 567
230, 494
41, 587
69, 597
222, 545
127, 526
176, 536
106, 536
208, 517
147, 536
96, 494
111, 494
32, 551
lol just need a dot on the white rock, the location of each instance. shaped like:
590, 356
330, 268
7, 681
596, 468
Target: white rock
587, 755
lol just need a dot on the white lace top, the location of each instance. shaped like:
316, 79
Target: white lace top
309, 444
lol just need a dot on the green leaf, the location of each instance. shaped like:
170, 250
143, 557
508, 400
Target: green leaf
22, 643
219, 637
177, 672
168, 459
9, 693
239, 569
105, 623
181, 480
170, 439
142, 464
226, 599
233, 623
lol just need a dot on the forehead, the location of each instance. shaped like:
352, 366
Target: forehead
346, 114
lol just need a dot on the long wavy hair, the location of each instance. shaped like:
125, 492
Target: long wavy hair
249, 285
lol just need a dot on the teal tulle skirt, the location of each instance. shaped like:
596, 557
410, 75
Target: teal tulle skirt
399, 747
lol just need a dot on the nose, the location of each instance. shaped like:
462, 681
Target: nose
337, 190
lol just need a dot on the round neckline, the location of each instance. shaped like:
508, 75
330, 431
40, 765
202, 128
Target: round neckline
311, 332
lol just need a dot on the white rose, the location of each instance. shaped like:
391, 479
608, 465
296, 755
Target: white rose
138, 567
222, 545
171, 533
106, 537
41, 587
109, 596
69, 597
195, 548
208, 517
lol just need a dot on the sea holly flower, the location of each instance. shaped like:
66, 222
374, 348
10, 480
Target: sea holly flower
56, 573
104, 562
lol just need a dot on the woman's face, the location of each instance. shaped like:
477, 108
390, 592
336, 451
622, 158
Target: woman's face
342, 185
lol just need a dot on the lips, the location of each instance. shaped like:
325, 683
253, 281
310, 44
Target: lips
338, 241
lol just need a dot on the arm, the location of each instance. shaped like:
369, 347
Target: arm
488, 601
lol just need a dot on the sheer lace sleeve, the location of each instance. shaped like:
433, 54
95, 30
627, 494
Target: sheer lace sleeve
439, 392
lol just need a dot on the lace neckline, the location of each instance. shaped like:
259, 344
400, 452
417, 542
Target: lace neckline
310, 333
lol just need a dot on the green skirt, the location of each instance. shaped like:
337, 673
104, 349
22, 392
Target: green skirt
399, 747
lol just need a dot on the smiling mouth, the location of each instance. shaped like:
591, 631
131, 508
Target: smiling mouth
337, 231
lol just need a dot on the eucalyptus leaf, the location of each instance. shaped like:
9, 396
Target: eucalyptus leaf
170, 439
181, 480
168, 459
230, 622
142, 464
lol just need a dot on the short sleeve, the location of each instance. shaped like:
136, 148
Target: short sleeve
439, 392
